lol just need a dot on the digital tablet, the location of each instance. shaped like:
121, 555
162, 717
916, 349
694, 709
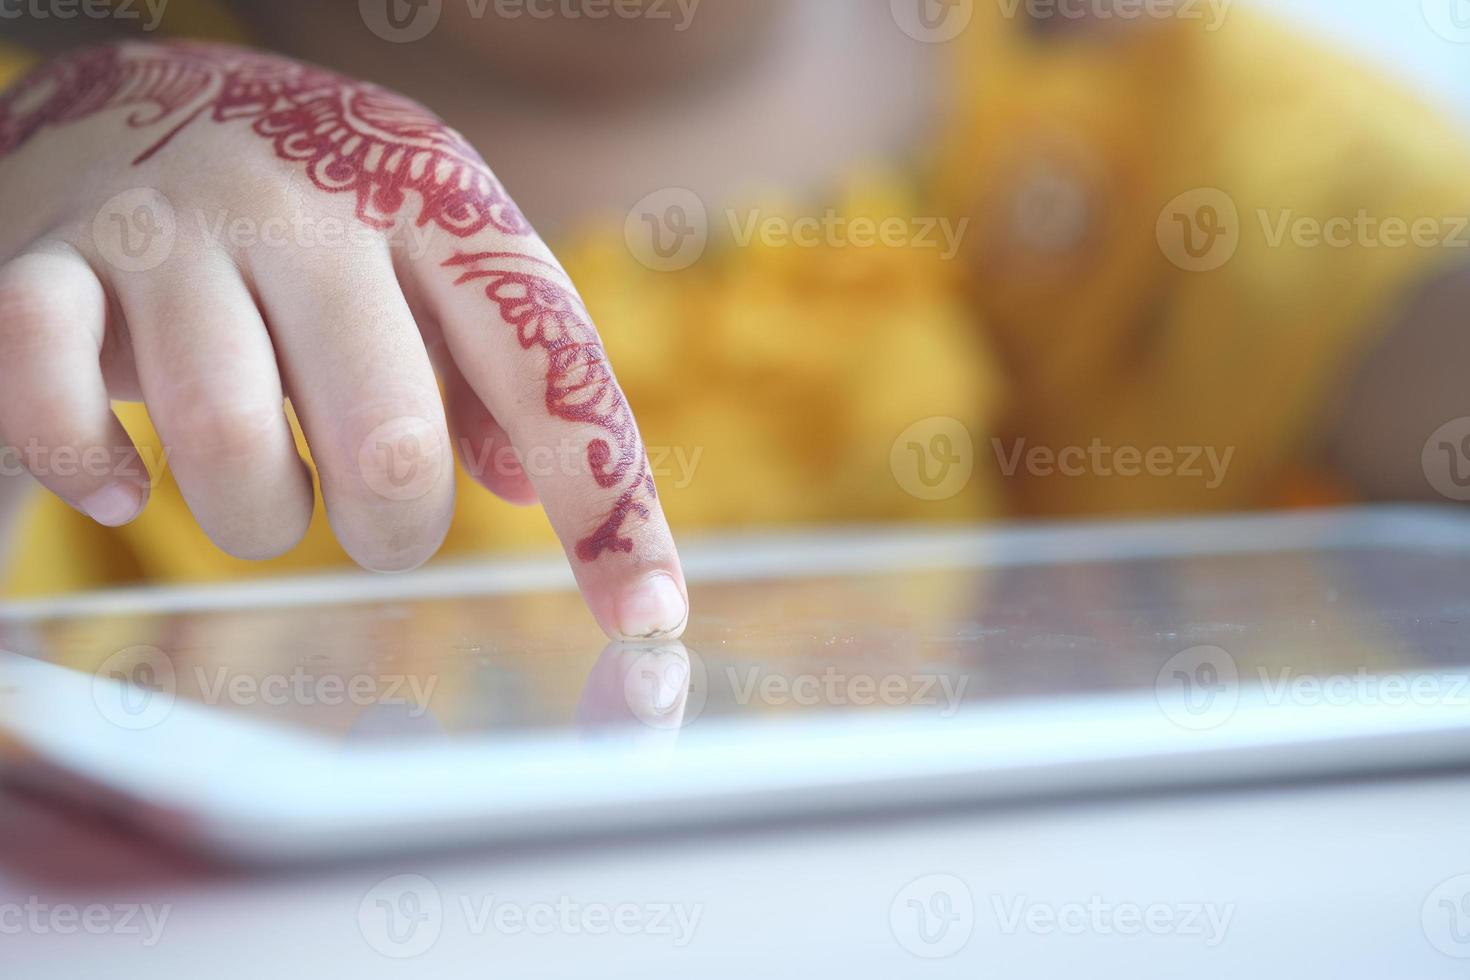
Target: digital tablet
822, 673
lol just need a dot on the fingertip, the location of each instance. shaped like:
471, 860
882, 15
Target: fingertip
655, 607
117, 504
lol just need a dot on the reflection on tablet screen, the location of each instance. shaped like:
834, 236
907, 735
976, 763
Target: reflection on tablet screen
931, 640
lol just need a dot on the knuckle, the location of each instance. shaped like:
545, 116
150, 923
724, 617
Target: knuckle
50, 305
224, 431
269, 208
404, 458
273, 188
256, 184
26, 310
49, 416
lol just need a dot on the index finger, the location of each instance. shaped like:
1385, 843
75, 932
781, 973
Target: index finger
524, 341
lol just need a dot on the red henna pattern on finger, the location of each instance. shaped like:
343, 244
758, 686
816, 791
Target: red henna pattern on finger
353, 137
580, 386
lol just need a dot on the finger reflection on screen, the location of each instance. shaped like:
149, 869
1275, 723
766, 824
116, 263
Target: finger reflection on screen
640, 690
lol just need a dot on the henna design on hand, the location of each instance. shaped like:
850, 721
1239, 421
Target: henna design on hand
354, 137
579, 383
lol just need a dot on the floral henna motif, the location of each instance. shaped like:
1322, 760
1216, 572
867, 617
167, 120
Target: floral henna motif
351, 136
356, 138
579, 384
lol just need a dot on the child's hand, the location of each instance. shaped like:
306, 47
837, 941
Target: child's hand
209, 230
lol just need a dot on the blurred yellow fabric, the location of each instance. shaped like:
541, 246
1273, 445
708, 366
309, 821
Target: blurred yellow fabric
1094, 170
773, 381
13, 61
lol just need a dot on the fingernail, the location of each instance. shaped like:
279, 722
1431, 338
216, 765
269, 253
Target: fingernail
114, 505
653, 608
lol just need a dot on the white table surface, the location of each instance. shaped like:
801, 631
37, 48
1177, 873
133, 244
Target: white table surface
1326, 881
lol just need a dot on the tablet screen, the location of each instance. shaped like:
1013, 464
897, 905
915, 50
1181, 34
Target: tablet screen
1305, 623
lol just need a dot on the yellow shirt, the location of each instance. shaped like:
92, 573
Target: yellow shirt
1119, 315
1099, 310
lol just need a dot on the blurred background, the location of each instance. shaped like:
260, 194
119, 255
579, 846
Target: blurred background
1392, 36
931, 260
